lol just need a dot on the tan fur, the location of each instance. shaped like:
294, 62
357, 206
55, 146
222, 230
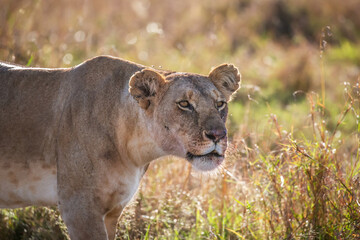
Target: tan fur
83, 137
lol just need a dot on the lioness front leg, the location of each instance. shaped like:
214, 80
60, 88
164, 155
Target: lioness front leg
83, 219
82, 201
111, 220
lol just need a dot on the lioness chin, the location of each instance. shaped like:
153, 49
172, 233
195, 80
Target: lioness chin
83, 137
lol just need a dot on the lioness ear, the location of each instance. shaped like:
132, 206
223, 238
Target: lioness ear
144, 86
226, 78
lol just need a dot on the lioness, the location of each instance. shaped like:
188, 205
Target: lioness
83, 137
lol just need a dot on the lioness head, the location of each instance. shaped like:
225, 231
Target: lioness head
187, 112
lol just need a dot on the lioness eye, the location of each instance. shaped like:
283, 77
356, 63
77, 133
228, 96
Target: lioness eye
220, 105
184, 105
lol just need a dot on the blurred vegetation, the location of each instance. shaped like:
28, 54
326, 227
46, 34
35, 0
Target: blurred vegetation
293, 166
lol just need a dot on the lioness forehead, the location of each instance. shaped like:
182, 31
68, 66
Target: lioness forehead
193, 85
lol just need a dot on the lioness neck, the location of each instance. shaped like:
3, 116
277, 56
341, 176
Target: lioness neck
136, 134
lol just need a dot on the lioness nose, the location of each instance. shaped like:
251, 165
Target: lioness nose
215, 135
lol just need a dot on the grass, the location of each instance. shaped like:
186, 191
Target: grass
293, 165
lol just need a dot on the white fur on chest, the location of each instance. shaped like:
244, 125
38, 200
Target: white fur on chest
23, 185
125, 184
130, 191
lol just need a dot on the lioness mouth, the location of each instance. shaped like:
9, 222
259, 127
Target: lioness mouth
191, 156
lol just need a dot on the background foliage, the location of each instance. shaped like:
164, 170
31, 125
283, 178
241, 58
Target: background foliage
293, 165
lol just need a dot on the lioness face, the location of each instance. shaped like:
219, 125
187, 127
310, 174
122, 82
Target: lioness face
189, 112
193, 114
